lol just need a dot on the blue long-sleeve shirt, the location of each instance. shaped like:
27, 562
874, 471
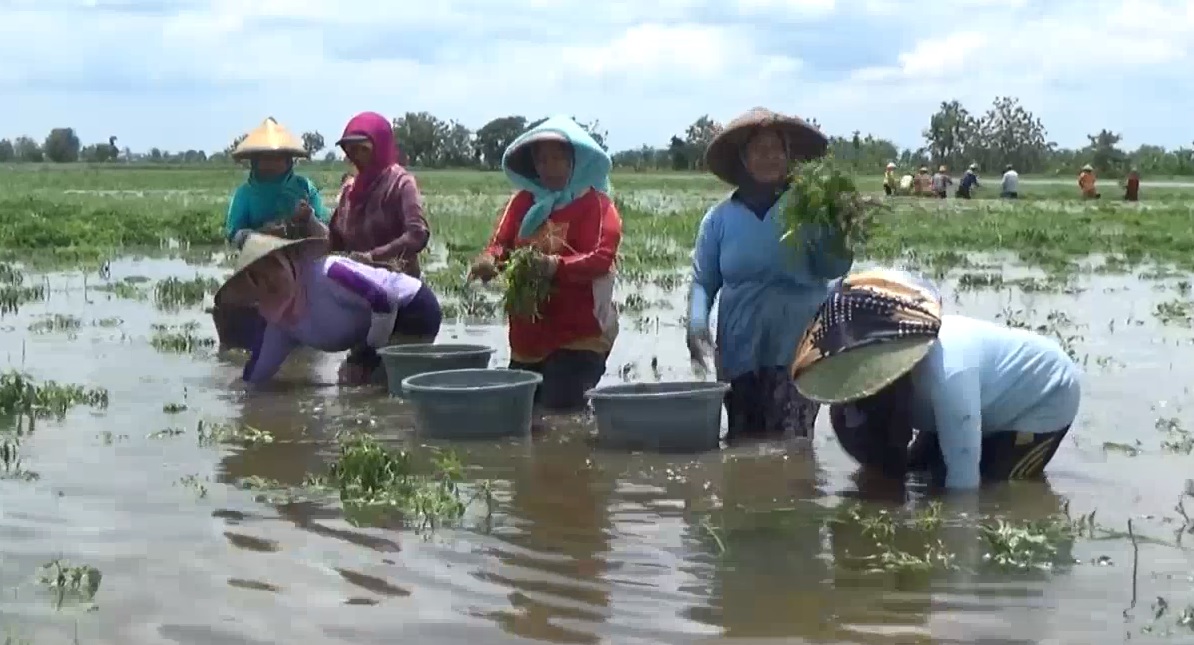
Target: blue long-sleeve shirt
769, 289
980, 378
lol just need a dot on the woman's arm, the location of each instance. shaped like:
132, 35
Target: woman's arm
957, 411
589, 265
706, 269
269, 352
238, 213
506, 231
405, 201
315, 199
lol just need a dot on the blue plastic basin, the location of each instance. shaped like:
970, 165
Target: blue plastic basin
679, 416
472, 403
403, 361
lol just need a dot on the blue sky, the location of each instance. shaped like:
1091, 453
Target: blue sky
183, 74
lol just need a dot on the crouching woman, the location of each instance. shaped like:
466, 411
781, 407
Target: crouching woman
334, 304
988, 402
562, 208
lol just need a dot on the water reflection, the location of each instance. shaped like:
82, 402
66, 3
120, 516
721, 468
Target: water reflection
773, 578
555, 547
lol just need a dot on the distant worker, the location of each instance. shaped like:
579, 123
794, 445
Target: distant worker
923, 182
1132, 186
969, 182
1009, 188
906, 183
889, 179
941, 183
1086, 183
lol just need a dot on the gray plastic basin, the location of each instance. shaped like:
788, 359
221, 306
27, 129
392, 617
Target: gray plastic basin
679, 416
402, 361
472, 403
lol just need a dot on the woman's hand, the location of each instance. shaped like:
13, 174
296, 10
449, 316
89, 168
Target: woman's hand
303, 213
363, 258
699, 341
277, 229
484, 268
546, 265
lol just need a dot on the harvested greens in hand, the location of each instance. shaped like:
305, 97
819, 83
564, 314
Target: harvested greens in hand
823, 195
527, 284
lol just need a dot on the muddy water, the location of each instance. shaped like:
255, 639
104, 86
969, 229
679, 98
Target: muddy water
586, 546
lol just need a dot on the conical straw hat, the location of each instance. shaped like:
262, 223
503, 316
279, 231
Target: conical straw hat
270, 136
255, 247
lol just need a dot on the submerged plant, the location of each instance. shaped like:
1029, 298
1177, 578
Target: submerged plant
22, 396
368, 475
69, 581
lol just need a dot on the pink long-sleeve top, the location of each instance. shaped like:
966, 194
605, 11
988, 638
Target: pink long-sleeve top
343, 297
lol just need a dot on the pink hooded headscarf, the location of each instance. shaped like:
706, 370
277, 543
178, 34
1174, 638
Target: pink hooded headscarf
385, 150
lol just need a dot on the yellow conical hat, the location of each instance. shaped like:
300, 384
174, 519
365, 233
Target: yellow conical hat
270, 136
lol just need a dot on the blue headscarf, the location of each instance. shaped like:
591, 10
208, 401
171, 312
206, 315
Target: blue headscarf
590, 169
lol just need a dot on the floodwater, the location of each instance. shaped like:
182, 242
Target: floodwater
586, 546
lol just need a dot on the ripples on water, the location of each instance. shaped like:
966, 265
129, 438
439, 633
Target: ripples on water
586, 546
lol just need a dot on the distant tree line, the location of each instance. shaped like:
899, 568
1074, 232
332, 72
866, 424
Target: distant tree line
1007, 133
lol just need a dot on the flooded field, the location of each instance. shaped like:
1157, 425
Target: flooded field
582, 546
183, 496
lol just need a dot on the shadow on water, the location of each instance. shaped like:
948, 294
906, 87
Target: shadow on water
585, 546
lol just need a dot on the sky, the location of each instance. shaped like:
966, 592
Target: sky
179, 74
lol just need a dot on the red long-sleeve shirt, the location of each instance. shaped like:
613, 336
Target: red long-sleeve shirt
580, 314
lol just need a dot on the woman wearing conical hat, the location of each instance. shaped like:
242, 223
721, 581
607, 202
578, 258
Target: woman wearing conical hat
331, 303
767, 294
988, 402
271, 196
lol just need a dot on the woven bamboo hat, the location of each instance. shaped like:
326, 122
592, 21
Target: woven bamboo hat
724, 154
873, 328
270, 136
254, 249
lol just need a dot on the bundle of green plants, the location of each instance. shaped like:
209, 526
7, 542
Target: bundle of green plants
823, 196
528, 284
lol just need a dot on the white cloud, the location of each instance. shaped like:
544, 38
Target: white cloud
644, 69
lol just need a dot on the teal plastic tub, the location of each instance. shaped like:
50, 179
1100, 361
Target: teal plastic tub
472, 403
404, 361
680, 416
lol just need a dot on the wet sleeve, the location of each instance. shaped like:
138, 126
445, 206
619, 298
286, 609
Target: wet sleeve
598, 261
706, 270
238, 213
405, 201
269, 352
957, 410
506, 231
827, 253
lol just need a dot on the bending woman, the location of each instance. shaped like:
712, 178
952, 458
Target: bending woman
562, 208
333, 304
769, 292
988, 402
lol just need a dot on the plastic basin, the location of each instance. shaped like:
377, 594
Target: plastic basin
472, 403
680, 416
403, 361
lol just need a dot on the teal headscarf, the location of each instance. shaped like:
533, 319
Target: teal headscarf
590, 169
263, 200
